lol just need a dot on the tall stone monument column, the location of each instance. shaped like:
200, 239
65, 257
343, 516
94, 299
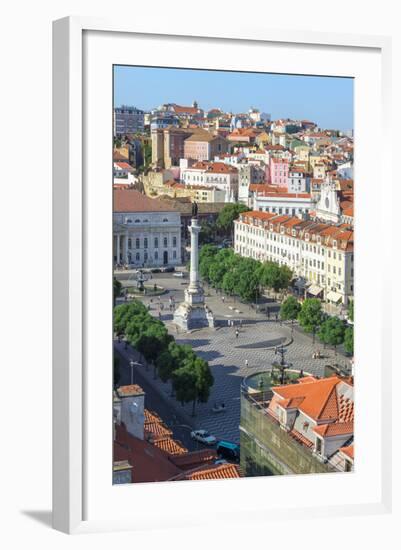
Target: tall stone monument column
193, 313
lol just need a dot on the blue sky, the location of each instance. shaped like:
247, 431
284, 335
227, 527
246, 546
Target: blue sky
328, 101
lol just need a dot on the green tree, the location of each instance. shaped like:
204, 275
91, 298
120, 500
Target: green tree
332, 332
349, 340
117, 287
204, 380
165, 365
153, 341
350, 310
311, 316
207, 233
290, 309
230, 212
275, 276
247, 279
206, 258
184, 382
192, 381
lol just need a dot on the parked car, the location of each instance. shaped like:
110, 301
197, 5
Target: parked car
169, 269
179, 274
156, 270
228, 450
204, 437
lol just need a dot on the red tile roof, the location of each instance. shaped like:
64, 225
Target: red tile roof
338, 428
213, 471
129, 391
131, 200
348, 451
319, 397
170, 446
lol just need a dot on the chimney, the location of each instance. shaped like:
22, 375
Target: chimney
132, 409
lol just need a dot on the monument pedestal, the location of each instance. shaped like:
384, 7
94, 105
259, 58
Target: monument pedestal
193, 313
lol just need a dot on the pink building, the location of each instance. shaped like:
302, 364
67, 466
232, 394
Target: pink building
279, 169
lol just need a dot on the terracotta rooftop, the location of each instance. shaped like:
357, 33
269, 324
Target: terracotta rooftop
129, 391
212, 471
318, 399
170, 446
130, 200
348, 451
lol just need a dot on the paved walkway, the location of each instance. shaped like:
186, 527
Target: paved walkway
227, 354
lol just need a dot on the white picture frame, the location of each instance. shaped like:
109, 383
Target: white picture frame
73, 472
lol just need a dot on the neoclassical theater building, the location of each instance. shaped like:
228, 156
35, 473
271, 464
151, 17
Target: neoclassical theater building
146, 232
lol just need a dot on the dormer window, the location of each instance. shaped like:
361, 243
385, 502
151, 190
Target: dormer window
137, 221
165, 220
145, 221
128, 220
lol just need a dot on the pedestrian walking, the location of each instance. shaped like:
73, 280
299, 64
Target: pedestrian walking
222, 299
246, 363
236, 333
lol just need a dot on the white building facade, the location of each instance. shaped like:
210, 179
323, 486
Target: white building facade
290, 204
318, 253
147, 232
213, 174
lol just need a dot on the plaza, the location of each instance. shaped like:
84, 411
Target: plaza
228, 353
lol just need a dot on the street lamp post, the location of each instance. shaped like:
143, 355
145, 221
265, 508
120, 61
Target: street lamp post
131, 364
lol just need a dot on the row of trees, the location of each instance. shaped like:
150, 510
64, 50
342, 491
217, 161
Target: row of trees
330, 330
189, 374
235, 275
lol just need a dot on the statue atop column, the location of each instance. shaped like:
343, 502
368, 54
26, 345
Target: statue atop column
193, 312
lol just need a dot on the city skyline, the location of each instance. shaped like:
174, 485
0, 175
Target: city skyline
328, 101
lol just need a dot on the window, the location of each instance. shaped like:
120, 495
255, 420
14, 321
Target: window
165, 219
318, 446
174, 255
137, 256
145, 257
165, 242
174, 241
156, 242
137, 243
145, 242
156, 255
129, 242
137, 221
128, 220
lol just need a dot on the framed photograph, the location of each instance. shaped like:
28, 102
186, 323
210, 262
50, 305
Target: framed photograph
219, 317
